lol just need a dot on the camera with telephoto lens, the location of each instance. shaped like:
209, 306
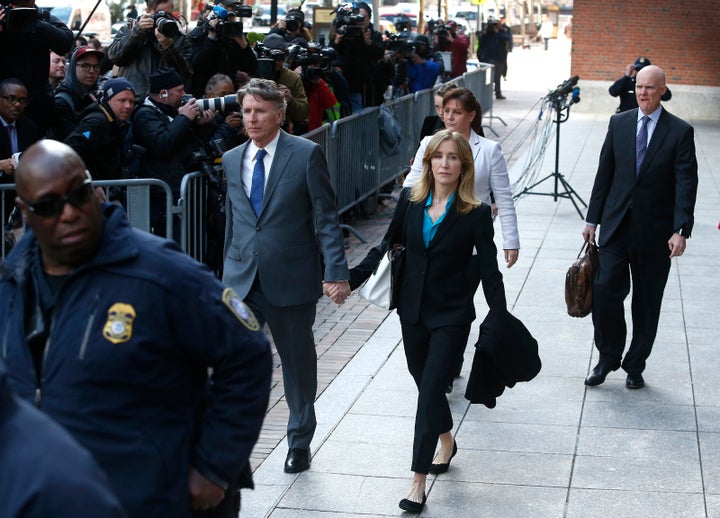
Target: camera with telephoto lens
266, 59
224, 105
293, 22
348, 20
229, 23
166, 23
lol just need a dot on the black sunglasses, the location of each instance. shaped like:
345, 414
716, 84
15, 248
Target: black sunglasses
52, 206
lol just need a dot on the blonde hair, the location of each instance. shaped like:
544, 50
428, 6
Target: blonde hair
465, 199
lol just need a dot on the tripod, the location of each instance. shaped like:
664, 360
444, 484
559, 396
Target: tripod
562, 113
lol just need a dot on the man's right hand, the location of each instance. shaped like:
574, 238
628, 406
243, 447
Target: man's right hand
145, 22
7, 166
588, 233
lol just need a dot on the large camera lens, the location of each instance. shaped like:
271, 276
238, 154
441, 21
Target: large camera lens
229, 103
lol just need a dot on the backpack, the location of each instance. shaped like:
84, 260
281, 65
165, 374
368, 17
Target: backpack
390, 133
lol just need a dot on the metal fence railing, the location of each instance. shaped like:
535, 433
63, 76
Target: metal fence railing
132, 194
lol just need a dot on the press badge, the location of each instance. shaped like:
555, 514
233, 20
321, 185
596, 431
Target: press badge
240, 310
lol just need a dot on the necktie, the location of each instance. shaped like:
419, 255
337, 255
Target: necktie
257, 187
641, 144
13, 146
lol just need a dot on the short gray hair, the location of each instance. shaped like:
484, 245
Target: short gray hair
264, 89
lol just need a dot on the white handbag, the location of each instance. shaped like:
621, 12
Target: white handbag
376, 289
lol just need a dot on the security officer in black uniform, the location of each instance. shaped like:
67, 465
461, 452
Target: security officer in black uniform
112, 332
625, 86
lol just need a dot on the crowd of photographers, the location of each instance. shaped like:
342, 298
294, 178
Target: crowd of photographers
159, 101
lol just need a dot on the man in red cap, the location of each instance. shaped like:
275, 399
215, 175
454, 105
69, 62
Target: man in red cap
77, 91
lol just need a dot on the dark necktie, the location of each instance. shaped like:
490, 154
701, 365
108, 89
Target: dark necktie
257, 187
641, 144
10, 130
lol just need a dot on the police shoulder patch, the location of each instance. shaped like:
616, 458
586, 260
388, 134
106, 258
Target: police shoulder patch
240, 310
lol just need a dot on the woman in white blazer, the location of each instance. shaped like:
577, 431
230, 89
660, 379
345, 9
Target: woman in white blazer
462, 113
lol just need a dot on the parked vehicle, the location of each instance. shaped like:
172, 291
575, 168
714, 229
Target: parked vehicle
73, 13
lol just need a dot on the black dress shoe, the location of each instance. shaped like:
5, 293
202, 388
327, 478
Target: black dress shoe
297, 460
413, 507
634, 381
597, 376
439, 469
500, 97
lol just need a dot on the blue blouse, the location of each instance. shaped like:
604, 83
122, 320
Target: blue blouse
429, 228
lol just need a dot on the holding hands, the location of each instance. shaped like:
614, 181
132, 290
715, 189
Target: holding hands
338, 291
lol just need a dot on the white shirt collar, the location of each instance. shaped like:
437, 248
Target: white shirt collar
654, 116
270, 148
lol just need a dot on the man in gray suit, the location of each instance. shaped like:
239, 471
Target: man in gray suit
281, 223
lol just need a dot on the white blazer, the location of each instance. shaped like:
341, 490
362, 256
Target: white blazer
490, 175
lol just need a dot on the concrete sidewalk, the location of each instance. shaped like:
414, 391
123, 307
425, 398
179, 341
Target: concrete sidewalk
552, 447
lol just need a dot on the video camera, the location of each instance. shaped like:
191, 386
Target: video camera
166, 23
314, 61
266, 58
348, 20
229, 23
401, 47
206, 158
22, 20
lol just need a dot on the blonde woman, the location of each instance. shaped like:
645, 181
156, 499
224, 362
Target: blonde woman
448, 235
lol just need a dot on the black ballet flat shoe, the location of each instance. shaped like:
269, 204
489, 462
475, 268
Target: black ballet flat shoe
438, 469
413, 507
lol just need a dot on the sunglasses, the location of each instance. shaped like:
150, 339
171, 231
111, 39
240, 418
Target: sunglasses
52, 206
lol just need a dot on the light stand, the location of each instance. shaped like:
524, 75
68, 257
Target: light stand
561, 105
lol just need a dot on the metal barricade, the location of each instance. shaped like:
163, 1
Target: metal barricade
402, 110
480, 81
192, 205
355, 161
132, 194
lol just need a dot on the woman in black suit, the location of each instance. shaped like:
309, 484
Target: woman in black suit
443, 224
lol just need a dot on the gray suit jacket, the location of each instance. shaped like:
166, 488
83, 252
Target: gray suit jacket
297, 228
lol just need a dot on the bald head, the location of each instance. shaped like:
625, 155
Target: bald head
43, 161
653, 72
649, 88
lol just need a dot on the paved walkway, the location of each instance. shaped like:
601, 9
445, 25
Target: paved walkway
552, 447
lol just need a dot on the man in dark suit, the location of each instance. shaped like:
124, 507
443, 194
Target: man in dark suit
643, 199
282, 223
17, 134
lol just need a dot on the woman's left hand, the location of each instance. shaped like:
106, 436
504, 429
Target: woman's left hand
511, 257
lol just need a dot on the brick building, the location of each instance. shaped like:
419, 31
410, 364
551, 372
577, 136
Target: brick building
678, 35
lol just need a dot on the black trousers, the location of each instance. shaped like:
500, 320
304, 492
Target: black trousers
432, 357
620, 261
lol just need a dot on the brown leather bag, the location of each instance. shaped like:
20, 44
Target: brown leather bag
579, 281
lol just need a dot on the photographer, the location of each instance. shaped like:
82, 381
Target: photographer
99, 138
226, 125
359, 47
314, 65
422, 70
292, 28
493, 49
153, 41
25, 45
273, 51
219, 46
165, 127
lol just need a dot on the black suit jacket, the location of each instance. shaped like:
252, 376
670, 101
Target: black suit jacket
27, 134
440, 281
662, 196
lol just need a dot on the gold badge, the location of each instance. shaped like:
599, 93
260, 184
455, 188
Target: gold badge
118, 328
240, 310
